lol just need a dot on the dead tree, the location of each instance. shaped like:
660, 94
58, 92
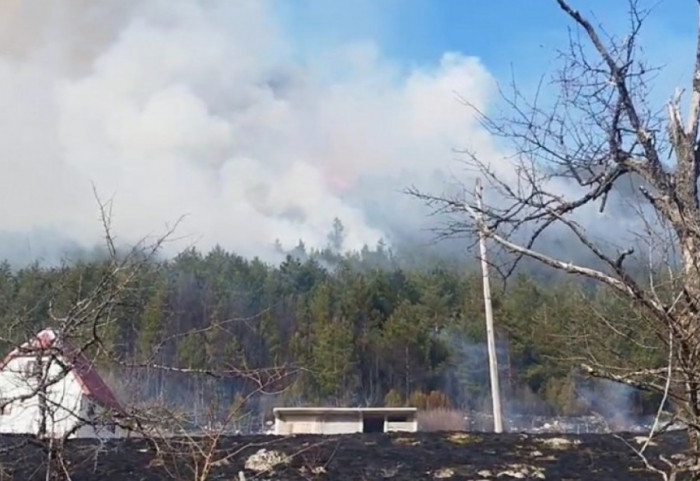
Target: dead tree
74, 343
565, 157
187, 455
76, 332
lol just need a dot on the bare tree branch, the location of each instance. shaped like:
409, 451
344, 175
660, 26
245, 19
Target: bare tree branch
598, 143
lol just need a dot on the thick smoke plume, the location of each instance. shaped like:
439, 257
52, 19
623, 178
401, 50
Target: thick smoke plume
207, 109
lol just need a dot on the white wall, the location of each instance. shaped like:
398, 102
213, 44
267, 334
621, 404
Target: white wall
318, 424
398, 426
342, 423
338, 423
66, 404
298, 424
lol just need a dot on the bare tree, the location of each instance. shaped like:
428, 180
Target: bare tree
76, 343
187, 454
35, 386
184, 446
566, 157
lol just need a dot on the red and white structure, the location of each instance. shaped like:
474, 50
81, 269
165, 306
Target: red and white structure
48, 386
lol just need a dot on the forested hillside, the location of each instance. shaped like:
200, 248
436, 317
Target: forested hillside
361, 329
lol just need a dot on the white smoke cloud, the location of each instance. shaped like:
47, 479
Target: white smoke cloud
204, 109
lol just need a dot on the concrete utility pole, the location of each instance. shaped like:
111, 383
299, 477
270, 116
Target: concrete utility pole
491, 343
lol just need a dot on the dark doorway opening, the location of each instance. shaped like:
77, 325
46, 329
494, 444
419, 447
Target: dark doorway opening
372, 424
397, 419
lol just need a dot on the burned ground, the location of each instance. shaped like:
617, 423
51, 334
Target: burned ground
396, 457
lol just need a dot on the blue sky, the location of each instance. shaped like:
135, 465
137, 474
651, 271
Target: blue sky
523, 34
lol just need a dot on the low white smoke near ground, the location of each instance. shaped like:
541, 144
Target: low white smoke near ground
205, 109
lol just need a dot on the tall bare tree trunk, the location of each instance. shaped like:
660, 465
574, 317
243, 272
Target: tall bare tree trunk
596, 138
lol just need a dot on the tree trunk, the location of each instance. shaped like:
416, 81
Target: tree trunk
38, 375
43, 413
684, 332
694, 443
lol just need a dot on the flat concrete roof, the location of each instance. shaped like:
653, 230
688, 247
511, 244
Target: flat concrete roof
330, 410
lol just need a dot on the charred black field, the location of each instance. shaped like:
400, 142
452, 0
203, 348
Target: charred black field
397, 457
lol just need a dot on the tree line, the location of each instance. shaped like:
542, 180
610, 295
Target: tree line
361, 328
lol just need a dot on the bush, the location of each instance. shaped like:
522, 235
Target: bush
417, 399
393, 399
437, 400
441, 420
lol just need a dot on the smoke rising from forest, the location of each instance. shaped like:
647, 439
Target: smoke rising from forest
213, 110
205, 109
208, 110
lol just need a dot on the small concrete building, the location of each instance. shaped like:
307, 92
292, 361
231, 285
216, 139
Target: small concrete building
320, 420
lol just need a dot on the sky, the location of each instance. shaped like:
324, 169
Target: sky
259, 120
503, 33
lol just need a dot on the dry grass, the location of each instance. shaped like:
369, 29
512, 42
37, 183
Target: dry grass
404, 441
463, 438
441, 420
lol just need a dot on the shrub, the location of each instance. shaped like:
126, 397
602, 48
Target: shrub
393, 399
441, 420
437, 400
417, 399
